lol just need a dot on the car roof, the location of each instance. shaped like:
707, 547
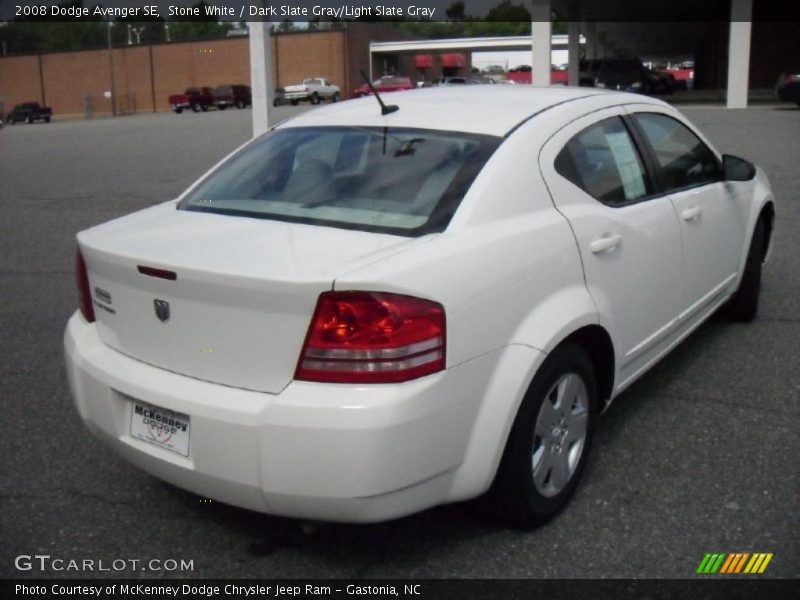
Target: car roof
492, 110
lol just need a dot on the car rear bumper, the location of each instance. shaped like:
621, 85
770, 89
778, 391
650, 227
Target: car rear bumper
296, 95
318, 451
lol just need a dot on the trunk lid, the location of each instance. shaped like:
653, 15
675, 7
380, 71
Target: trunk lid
243, 296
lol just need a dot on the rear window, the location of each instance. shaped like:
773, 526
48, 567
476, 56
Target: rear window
391, 180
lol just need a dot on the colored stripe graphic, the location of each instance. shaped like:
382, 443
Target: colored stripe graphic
711, 563
733, 563
758, 563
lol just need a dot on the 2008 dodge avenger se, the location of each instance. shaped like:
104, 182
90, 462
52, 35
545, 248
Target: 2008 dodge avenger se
365, 313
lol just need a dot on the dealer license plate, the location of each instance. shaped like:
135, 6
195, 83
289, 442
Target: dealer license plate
161, 427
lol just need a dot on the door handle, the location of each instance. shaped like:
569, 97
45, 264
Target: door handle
608, 241
692, 213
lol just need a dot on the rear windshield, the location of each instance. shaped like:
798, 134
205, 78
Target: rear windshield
391, 180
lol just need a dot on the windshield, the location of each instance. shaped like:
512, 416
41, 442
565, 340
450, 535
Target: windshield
391, 180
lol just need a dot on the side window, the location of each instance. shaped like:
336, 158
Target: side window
685, 161
603, 162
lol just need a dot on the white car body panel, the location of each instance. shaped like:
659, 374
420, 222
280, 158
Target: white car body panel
514, 271
244, 294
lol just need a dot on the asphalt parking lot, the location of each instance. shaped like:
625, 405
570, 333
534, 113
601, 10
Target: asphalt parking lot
701, 455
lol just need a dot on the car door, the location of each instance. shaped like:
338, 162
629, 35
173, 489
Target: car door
629, 240
712, 221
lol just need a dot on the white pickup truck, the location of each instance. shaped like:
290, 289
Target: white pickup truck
313, 89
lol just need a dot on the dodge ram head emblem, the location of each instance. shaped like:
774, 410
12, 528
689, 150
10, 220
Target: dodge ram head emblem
162, 309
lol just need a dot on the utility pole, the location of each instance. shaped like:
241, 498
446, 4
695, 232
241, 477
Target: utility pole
111, 70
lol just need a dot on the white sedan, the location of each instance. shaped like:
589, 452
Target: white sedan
358, 315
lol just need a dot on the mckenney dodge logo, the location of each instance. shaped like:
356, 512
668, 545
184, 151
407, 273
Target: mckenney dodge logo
161, 426
735, 562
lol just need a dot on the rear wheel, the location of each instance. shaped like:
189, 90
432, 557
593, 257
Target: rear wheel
549, 443
743, 305
336, 97
276, 102
240, 104
314, 98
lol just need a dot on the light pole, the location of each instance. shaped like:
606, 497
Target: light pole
111, 70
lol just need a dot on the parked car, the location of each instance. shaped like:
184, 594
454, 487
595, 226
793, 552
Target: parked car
279, 97
386, 84
239, 96
29, 112
313, 90
788, 87
625, 74
524, 75
442, 81
196, 98
358, 316
659, 82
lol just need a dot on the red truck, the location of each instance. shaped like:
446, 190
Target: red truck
196, 98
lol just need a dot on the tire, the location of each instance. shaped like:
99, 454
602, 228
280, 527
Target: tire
47, 119
315, 98
549, 443
29, 120
276, 102
196, 107
178, 110
743, 305
240, 104
204, 107
336, 97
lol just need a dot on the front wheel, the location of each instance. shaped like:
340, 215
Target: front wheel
549, 442
743, 305
314, 98
196, 107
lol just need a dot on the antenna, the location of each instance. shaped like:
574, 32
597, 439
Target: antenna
385, 110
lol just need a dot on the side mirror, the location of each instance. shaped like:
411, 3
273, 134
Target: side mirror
737, 169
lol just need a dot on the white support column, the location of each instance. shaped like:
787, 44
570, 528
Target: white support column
739, 53
590, 31
541, 31
573, 51
261, 75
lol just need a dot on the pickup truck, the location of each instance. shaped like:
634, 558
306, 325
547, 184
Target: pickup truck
313, 89
29, 112
196, 98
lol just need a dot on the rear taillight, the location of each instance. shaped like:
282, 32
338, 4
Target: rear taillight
791, 78
372, 337
82, 279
